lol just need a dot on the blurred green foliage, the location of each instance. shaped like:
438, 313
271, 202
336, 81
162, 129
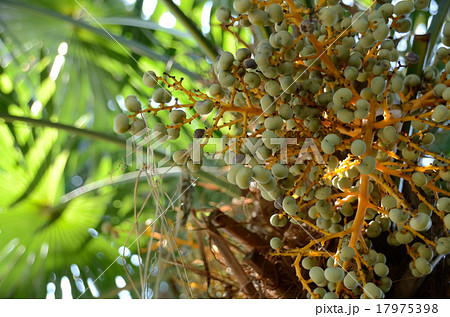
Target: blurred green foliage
56, 193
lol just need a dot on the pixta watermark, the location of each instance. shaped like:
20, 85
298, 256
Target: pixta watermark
153, 148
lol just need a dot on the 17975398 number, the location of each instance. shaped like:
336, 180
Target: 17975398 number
407, 308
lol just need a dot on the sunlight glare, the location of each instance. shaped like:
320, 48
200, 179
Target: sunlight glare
120, 282
56, 67
92, 288
66, 288
51, 288
44, 250
124, 294
62, 48
124, 251
75, 270
167, 20
148, 7
206, 14
36, 107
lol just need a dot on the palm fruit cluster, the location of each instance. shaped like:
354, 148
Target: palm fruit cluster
335, 79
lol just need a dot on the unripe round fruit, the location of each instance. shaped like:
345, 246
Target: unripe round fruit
373, 230
327, 16
231, 176
137, 126
410, 155
386, 10
362, 109
418, 125
334, 274
284, 38
443, 204
177, 116
359, 22
438, 90
396, 84
421, 222
447, 221
320, 291
326, 147
252, 79
121, 123
269, 186
275, 243
347, 253
323, 193
161, 95
159, 131
345, 115
225, 61
316, 273
404, 237
351, 73
285, 111
243, 54
275, 220
273, 123
330, 295
389, 202
215, 90
446, 93
443, 245
275, 13
261, 174
290, 205
403, 25
149, 79
428, 139
419, 179
398, 215
425, 252
280, 171
385, 223
342, 96
351, 280
132, 103
381, 32
446, 30
390, 134
204, 106
332, 139
287, 84
381, 269
223, 14
258, 17
403, 7
423, 266
440, 113
226, 78
268, 105
324, 208
243, 177
378, 85
412, 80
273, 88
180, 157
421, 4
358, 147
242, 6
367, 165
372, 291
309, 262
